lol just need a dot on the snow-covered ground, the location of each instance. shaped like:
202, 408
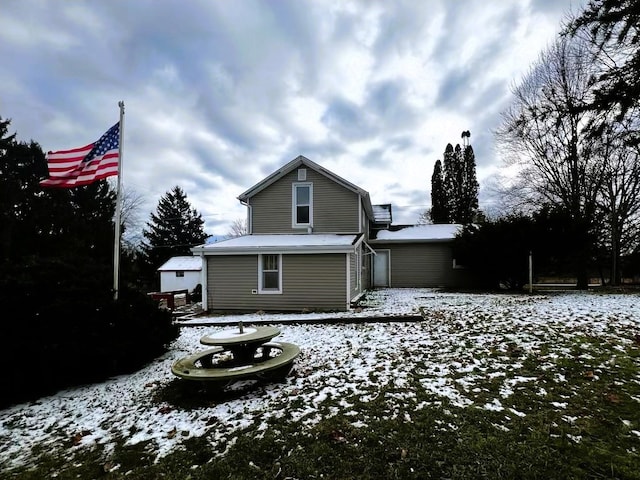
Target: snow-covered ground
463, 339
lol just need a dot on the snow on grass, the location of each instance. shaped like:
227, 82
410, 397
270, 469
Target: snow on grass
470, 350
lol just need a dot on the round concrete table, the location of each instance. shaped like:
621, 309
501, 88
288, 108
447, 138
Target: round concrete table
242, 342
253, 355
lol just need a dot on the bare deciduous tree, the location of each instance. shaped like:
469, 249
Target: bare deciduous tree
237, 228
545, 133
130, 216
619, 201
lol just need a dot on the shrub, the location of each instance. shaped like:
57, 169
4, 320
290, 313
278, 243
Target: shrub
66, 333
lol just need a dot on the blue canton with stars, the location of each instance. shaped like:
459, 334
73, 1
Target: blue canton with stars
109, 141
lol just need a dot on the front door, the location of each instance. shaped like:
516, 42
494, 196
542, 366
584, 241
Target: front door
381, 268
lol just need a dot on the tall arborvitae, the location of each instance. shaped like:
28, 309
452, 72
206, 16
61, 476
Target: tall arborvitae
449, 175
439, 201
468, 206
454, 187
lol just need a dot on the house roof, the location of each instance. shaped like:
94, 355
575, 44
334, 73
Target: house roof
297, 162
418, 233
276, 243
187, 263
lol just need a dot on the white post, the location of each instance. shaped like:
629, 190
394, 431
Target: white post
116, 243
530, 271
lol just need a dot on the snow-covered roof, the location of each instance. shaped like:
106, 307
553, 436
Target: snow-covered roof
417, 233
187, 263
285, 243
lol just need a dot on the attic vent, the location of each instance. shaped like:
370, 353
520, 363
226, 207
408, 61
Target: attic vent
302, 174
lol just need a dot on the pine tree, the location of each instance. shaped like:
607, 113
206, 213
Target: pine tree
174, 229
439, 201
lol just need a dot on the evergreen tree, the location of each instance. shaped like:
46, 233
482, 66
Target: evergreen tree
174, 229
62, 223
468, 205
614, 27
56, 259
439, 201
454, 187
449, 174
9, 189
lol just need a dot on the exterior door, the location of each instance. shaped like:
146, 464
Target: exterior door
381, 268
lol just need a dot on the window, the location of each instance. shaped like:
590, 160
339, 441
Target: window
179, 273
269, 274
457, 265
302, 205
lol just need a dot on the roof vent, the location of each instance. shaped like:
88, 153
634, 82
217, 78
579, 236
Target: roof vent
302, 174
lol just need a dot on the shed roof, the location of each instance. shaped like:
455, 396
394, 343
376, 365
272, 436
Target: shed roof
186, 263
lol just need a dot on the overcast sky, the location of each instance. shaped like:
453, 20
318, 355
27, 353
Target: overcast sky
219, 94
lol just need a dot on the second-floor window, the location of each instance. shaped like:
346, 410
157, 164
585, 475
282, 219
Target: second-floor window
302, 208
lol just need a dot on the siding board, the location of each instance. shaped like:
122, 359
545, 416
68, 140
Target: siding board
312, 282
420, 265
335, 208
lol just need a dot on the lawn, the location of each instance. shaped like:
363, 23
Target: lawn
486, 386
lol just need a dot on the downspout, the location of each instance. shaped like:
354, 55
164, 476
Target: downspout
203, 282
249, 216
348, 257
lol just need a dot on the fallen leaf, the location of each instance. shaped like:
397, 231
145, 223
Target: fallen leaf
613, 397
77, 438
338, 437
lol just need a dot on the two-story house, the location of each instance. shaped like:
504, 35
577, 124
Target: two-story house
310, 247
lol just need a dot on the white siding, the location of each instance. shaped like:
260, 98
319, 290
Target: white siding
169, 282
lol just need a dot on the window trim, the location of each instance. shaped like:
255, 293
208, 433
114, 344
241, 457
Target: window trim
269, 291
294, 205
458, 266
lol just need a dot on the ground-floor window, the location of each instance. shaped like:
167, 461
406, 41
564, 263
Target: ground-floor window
270, 273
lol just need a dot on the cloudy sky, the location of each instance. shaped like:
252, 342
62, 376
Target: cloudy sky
219, 94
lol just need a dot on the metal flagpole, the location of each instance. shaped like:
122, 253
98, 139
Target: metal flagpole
116, 243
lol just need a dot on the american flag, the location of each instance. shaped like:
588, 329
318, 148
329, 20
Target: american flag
84, 165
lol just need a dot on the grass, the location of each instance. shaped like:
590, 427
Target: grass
568, 408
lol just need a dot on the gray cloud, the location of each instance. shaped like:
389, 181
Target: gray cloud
220, 94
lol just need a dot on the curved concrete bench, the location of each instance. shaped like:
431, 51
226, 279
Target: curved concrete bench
263, 367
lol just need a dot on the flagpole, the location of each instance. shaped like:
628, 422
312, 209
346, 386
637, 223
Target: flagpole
116, 243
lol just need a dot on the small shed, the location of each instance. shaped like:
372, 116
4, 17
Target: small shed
180, 273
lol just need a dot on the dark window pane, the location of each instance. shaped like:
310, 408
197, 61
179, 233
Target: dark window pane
270, 280
303, 215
